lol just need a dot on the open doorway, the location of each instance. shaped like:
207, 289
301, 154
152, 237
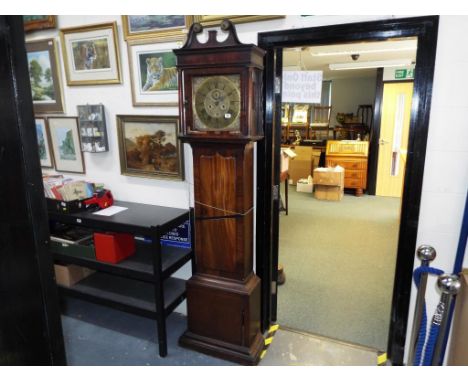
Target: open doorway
338, 249
424, 29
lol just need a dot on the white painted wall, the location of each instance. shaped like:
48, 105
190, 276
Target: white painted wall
446, 174
348, 93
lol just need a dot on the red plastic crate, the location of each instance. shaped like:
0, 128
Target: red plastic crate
113, 247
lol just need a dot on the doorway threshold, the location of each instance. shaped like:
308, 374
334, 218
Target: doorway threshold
291, 347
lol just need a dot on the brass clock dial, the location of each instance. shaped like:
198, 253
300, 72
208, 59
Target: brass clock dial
216, 103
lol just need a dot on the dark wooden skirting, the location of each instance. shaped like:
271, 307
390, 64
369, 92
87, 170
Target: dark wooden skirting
30, 326
425, 29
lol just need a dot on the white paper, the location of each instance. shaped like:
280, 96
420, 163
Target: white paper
109, 211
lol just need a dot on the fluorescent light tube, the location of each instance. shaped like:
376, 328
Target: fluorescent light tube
370, 64
362, 51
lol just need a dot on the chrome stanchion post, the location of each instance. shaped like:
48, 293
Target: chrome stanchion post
426, 254
449, 286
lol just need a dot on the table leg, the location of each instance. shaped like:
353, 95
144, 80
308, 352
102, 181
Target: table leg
159, 295
286, 181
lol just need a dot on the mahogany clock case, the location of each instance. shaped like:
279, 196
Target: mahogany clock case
223, 296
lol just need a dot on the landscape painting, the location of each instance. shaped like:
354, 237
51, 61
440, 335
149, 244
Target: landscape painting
43, 143
155, 26
157, 71
38, 22
67, 150
149, 146
145, 23
91, 54
44, 77
40, 75
66, 144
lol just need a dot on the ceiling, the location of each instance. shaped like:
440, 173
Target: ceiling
318, 57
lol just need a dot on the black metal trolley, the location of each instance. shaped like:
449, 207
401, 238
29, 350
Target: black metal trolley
141, 284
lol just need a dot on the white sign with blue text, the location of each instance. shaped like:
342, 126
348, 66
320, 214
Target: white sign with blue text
302, 86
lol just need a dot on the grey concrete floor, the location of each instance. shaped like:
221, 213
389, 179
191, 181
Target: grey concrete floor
97, 335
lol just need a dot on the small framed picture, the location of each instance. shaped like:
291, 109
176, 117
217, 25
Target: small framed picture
66, 145
149, 147
39, 22
43, 142
155, 26
92, 123
44, 76
91, 54
153, 72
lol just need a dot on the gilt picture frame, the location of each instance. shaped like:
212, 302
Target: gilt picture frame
153, 72
91, 54
149, 147
66, 144
39, 22
44, 74
43, 141
155, 26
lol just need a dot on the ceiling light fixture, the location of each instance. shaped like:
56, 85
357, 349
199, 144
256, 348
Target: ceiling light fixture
370, 64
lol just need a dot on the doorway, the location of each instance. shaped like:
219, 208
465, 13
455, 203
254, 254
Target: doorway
425, 30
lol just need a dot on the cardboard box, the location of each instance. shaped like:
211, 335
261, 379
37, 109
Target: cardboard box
333, 193
329, 176
304, 187
458, 349
301, 166
69, 275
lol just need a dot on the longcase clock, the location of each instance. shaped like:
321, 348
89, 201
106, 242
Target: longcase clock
220, 100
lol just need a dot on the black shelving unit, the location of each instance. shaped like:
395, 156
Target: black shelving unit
141, 284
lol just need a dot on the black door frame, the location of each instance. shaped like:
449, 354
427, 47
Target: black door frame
268, 155
30, 323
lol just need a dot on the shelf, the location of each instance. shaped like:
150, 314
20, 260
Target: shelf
128, 295
138, 266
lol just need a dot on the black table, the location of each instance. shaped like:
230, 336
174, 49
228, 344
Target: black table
141, 284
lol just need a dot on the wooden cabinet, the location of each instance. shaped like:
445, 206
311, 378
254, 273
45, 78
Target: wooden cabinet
352, 156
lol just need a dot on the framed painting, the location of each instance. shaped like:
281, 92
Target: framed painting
44, 76
91, 54
43, 142
155, 26
39, 22
153, 72
210, 20
93, 132
66, 145
149, 147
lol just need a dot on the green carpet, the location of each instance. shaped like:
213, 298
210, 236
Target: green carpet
339, 259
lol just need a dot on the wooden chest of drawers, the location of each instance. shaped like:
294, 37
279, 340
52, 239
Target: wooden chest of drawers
352, 156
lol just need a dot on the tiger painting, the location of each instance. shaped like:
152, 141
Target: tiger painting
158, 77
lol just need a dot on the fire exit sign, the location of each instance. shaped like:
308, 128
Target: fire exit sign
403, 74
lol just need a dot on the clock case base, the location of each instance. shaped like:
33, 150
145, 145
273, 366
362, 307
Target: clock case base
223, 318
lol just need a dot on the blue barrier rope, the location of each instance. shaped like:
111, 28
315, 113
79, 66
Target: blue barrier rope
418, 272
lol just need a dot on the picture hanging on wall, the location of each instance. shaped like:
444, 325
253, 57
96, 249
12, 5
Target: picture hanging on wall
43, 142
153, 72
44, 76
39, 22
209, 20
155, 26
93, 132
91, 54
149, 147
66, 144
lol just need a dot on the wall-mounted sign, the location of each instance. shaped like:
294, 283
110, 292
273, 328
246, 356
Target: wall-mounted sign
399, 74
302, 86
